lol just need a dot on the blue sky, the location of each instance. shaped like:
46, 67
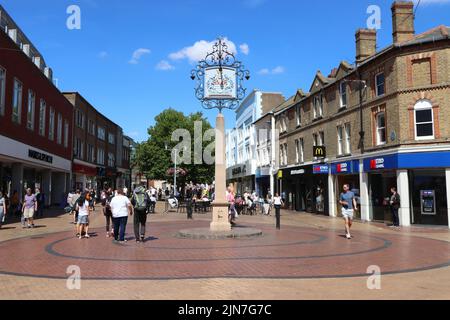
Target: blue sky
128, 58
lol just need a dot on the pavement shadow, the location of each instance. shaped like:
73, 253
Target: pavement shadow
7, 228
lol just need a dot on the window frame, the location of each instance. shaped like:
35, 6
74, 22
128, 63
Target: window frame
343, 94
340, 137
430, 108
377, 93
19, 102
2, 90
59, 129
42, 117
378, 128
31, 113
348, 138
51, 124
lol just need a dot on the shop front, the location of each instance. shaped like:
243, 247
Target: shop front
262, 178
422, 179
242, 178
23, 166
84, 176
305, 188
346, 172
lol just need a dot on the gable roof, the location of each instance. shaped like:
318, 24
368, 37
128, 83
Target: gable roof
288, 103
319, 81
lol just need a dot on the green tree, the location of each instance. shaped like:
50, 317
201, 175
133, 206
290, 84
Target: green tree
154, 160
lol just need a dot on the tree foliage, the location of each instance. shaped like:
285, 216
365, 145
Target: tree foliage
154, 160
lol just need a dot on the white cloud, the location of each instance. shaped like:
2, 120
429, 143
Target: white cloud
276, 70
198, 50
137, 55
133, 134
164, 65
245, 49
103, 55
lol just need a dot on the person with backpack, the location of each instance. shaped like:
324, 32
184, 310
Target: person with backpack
140, 202
106, 201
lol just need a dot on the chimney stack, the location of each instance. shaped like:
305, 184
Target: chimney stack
403, 21
366, 44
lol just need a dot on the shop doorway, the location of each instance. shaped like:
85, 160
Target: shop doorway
353, 182
380, 185
428, 197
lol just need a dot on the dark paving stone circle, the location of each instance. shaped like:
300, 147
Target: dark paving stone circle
207, 234
295, 252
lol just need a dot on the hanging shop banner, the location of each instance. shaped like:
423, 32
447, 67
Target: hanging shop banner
220, 83
347, 167
321, 169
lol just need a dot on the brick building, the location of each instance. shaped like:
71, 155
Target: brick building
383, 121
97, 147
35, 119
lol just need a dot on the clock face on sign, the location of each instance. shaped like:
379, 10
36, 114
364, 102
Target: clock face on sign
220, 84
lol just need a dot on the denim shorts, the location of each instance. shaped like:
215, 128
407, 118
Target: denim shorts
83, 219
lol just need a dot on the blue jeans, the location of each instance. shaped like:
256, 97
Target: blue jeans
119, 228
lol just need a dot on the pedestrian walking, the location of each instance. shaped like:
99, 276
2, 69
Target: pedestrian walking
29, 208
121, 208
3, 208
73, 204
140, 202
84, 209
348, 202
40, 199
106, 207
278, 203
394, 204
189, 196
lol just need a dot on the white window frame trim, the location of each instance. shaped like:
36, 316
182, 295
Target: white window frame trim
432, 120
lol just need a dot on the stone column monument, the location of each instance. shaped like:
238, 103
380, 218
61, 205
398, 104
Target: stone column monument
220, 205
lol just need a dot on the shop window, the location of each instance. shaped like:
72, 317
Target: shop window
423, 120
380, 84
381, 128
2, 90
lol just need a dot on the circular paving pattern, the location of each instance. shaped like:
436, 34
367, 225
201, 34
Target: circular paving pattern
293, 252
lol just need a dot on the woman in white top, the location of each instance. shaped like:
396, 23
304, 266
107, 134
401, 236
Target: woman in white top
278, 203
83, 216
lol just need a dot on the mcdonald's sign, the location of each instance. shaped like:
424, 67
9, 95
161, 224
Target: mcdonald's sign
320, 152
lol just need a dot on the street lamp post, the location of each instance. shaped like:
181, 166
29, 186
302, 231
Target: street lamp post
219, 86
175, 169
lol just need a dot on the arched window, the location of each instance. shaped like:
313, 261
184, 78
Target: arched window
424, 120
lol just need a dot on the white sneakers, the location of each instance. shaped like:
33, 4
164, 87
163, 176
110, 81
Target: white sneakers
348, 236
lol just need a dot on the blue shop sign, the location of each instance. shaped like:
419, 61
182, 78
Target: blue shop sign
408, 161
321, 169
347, 167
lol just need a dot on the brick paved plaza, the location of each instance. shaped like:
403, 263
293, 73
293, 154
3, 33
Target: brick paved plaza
308, 259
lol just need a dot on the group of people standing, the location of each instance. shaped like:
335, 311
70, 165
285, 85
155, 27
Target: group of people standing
31, 207
117, 207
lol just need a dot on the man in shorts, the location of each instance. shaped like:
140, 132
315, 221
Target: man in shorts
348, 202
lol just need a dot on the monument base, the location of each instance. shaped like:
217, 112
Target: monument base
220, 221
